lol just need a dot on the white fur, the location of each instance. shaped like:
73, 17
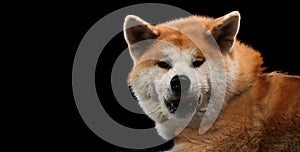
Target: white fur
153, 88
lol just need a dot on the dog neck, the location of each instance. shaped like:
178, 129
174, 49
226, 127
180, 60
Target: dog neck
243, 68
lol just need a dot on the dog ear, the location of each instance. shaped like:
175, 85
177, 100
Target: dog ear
224, 29
135, 30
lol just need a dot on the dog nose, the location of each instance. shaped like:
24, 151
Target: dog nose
180, 83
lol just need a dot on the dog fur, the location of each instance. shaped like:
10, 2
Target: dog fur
261, 111
264, 118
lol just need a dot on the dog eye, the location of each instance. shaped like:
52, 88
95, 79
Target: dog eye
164, 65
197, 63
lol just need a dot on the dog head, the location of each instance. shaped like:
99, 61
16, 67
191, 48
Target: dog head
171, 77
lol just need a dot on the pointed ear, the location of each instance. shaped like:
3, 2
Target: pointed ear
135, 30
224, 29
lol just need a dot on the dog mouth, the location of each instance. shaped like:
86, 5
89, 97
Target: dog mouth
172, 104
182, 106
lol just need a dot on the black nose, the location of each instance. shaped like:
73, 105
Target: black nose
180, 84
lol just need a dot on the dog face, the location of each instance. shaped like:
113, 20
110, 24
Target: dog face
182, 80
179, 77
167, 76
171, 77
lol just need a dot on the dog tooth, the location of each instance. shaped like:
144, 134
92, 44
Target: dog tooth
203, 109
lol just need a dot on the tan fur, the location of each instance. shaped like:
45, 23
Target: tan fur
265, 118
263, 110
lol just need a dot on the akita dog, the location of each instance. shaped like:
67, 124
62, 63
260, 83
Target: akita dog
173, 77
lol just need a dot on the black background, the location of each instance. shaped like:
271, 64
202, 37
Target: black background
270, 28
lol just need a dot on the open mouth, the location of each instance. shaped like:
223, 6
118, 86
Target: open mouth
183, 106
172, 105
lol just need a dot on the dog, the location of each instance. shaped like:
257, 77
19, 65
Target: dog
173, 78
